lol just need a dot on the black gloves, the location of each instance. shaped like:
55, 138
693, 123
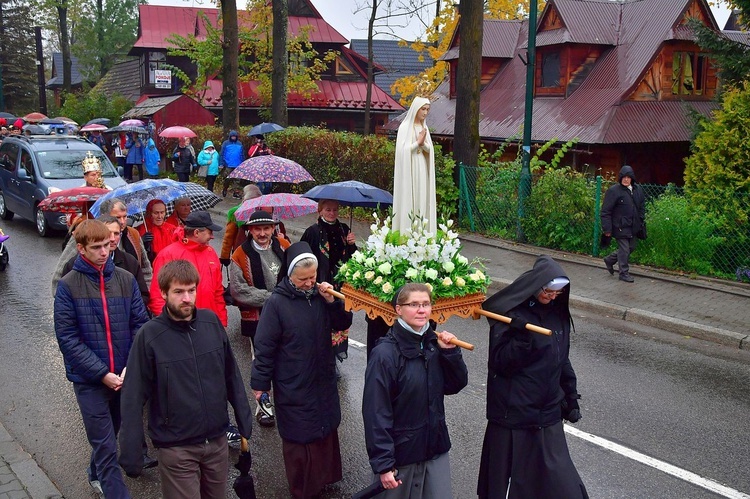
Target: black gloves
571, 411
518, 324
225, 261
148, 238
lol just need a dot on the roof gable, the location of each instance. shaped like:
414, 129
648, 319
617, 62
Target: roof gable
76, 79
124, 79
393, 59
499, 40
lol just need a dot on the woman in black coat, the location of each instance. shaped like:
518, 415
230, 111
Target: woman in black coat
293, 354
531, 388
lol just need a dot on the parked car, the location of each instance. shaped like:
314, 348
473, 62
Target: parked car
32, 167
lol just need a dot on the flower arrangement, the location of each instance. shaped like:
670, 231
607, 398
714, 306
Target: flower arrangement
391, 258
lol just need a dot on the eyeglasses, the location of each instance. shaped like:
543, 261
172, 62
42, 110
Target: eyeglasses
549, 292
416, 305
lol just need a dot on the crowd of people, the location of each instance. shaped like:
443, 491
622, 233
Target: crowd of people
141, 318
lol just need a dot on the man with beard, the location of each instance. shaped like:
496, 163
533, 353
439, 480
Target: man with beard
182, 364
98, 309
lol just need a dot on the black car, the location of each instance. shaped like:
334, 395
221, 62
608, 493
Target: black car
32, 167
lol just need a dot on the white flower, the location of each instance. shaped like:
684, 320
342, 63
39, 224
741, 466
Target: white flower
462, 260
412, 273
481, 275
369, 275
385, 268
449, 222
447, 281
431, 274
343, 269
429, 286
387, 287
359, 257
356, 275
370, 262
449, 266
460, 282
378, 280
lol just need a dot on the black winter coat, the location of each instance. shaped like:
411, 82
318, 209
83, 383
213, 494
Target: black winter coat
187, 372
406, 380
293, 351
623, 212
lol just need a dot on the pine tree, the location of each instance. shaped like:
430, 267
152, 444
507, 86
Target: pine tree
18, 57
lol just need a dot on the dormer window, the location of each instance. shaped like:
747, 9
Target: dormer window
688, 73
550, 70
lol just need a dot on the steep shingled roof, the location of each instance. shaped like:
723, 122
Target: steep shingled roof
76, 79
395, 60
124, 79
597, 112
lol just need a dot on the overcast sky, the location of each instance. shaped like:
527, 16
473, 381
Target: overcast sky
339, 14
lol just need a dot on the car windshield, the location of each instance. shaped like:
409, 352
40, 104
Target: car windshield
66, 163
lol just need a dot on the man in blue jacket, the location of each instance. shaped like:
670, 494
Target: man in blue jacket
98, 309
231, 155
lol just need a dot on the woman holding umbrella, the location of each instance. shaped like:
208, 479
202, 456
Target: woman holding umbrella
135, 148
332, 243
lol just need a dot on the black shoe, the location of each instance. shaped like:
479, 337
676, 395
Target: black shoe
265, 420
626, 278
610, 267
224, 193
233, 434
149, 462
236, 195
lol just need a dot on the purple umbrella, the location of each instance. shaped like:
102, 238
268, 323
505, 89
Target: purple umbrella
132, 122
271, 169
284, 206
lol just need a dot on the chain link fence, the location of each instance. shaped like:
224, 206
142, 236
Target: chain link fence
700, 232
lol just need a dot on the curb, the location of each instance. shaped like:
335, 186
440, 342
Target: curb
34, 480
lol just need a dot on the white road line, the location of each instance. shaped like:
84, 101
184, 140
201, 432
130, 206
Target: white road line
357, 344
667, 468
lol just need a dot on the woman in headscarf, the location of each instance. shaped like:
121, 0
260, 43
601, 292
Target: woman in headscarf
293, 354
414, 172
156, 233
531, 388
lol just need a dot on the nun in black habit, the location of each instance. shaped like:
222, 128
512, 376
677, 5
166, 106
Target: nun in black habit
531, 388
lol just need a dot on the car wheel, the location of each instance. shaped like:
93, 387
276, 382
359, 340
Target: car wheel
5, 213
41, 223
4, 259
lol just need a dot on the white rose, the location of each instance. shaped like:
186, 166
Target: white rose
462, 259
358, 257
387, 287
356, 275
429, 286
460, 282
449, 266
378, 280
447, 281
369, 275
343, 269
412, 273
431, 274
370, 262
385, 268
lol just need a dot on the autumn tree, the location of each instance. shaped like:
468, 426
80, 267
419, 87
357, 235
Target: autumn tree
17, 57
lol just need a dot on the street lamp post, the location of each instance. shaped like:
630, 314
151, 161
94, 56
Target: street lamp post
524, 186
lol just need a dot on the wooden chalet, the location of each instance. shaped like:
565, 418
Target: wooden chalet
339, 102
621, 77
55, 83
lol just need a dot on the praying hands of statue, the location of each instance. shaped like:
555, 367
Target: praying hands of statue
421, 136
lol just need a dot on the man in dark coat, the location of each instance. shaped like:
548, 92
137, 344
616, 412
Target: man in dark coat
183, 160
623, 217
531, 387
293, 353
98, 309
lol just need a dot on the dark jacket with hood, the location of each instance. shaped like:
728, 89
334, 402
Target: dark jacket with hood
293, 352
97, 313
529, 374
232, 152
328, 244
187, 372
406, 380
623, 212
183, 162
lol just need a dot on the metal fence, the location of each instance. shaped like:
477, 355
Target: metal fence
699, 232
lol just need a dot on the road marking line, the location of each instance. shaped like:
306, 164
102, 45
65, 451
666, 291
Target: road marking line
356, 343
667, 468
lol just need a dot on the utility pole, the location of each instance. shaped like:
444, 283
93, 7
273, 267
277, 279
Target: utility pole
524, 186
40, 70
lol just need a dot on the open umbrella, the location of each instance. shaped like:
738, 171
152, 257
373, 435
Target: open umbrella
34, 117
351, 193
176, 132
127, 128
137, 195
201, 199
35, 130
66, 120
73, 200
99, 121
271, 169
8, 116
132, 122
284, 206
93, 128
265, 128
51, 121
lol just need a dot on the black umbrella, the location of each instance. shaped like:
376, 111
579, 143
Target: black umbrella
244, 486
98, 121
132, 129
372, 490
264, 128
51, 121
8, 116
351, 193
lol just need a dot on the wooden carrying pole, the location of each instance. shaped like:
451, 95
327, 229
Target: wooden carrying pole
502, 318
454, 341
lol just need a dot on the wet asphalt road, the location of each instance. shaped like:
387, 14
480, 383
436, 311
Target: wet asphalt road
675, 399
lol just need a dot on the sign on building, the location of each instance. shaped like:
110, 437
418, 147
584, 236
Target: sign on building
162, 78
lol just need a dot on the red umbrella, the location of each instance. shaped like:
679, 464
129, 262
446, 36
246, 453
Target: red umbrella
75, 200
93, 128
34, 117
176, 132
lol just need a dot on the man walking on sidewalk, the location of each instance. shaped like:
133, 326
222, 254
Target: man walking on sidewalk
182, 364
98, 310
623, 217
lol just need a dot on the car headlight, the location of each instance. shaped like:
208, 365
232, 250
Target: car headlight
50, 190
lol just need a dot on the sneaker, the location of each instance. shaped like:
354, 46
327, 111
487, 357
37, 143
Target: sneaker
233, 434
97, 486
266, 407
610, 267
626, 278
265, 420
